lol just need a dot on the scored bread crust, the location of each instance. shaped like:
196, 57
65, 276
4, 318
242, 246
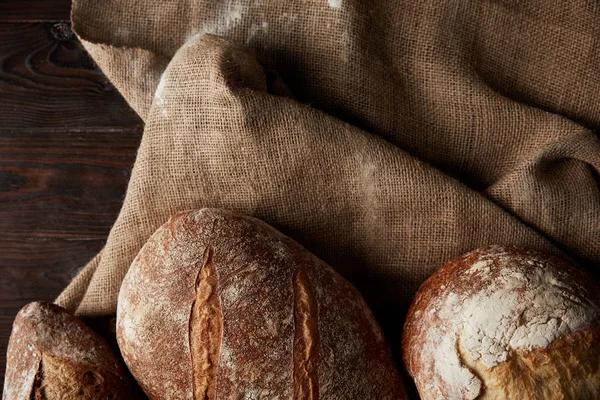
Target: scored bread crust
222, 305
505, 323
54, 355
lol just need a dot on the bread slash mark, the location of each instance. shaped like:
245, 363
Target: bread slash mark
206, 330
306, 340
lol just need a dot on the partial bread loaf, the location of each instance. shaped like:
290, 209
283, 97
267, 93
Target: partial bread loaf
502, 323
219, 305
53, 355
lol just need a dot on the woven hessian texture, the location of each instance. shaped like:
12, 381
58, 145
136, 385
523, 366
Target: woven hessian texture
385, 136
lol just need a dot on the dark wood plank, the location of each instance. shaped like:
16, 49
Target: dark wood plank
63, 185
40, 269
36, 270
34, 10
47, 80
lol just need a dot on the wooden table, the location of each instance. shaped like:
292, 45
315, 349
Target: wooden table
67, 144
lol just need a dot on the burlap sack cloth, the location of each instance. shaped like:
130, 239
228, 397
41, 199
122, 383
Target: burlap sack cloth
385, 136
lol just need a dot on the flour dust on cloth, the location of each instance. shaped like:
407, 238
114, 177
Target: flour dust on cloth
387, 137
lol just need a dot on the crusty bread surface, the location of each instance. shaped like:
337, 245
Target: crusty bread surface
220, 305
53, 355
505, 323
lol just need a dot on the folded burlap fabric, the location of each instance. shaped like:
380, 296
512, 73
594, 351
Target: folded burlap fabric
387, 137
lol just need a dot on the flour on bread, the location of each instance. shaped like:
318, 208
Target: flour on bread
502, 303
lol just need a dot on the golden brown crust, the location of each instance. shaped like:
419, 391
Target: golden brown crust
54, 355
481, 315
206, 329
291, 326
568, 370
306, 340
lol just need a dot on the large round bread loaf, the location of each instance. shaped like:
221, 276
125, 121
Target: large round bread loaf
501, 323
52, 355
222, 306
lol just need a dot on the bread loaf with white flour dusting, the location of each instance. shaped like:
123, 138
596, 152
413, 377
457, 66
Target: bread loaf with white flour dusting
504, 323
53, 355
220, 305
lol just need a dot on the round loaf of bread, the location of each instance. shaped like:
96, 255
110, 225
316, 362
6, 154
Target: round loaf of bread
222, 306
503, 323
53, 355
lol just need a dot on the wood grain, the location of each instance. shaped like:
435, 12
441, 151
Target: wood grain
34, 10
67, 144
63, 185
47, 80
